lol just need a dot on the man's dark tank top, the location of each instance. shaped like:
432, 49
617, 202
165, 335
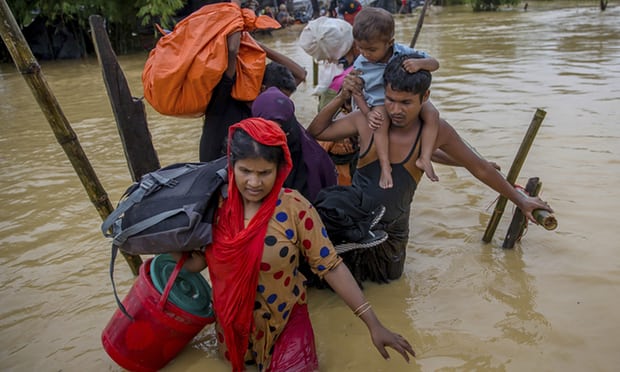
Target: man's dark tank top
397, 200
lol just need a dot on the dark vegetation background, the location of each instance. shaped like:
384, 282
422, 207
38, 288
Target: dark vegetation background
59, 29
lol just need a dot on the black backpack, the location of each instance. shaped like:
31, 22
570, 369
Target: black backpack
168, 210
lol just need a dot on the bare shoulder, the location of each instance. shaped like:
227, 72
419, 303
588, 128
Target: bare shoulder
445, 134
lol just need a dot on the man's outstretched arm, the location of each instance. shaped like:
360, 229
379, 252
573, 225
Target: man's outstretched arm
456, 149
299, 73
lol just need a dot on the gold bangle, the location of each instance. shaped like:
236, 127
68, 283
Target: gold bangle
360, 307
365, 310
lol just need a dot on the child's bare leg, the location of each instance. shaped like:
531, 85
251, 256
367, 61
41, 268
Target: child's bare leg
428, 137
427, 166
378, 114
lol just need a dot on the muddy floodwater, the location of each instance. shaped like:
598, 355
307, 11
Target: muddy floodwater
549, 304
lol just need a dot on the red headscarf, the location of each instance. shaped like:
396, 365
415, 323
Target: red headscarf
235, 255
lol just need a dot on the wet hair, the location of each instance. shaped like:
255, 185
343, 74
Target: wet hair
400, 80
279, 76
373, 24
243, 146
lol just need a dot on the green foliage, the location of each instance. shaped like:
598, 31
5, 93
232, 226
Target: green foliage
124, 18
449, 2
490, 5
115, 11
163, 10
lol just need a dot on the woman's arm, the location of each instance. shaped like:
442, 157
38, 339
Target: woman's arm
299, 73
234, 41
343, 283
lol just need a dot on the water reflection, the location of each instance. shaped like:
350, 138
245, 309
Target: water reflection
546, 305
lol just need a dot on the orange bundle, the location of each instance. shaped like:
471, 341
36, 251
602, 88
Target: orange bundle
186, 64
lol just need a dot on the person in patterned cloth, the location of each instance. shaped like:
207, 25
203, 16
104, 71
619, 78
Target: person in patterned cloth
260, 234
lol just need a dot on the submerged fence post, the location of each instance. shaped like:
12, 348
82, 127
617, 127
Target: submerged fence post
29, 67
517, 164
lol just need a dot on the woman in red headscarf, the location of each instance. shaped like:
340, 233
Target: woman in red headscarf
261, 233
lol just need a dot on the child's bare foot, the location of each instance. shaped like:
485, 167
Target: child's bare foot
427, 167
386, 179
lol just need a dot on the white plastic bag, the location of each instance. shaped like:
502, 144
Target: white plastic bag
326, 39
327, 71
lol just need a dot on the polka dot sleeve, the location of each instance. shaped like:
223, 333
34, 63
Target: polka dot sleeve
311, 237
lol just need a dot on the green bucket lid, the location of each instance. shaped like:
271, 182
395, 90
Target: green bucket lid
190, 291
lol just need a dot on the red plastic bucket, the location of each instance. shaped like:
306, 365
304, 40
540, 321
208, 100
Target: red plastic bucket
159, 329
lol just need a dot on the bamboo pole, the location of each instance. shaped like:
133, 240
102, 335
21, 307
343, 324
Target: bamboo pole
545, 218
419, 25
28, 66
517, 164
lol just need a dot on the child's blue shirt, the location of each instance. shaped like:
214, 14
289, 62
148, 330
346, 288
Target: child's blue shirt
372, 74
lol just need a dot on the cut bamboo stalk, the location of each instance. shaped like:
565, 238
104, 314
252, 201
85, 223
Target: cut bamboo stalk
545, 218
517, 164
29, 67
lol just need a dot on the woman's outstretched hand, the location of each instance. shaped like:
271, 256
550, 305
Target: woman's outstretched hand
343, 283
383, 337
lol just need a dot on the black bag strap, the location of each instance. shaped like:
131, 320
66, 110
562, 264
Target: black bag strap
120, 239
148, 183
118, 301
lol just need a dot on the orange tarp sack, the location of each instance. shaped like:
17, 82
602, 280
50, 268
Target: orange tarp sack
185, 66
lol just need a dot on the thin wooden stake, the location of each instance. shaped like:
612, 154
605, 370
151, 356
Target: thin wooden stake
315, 73
29, 67
517, 164
418, 27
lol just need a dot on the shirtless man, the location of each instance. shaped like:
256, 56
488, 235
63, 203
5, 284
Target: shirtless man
404, 95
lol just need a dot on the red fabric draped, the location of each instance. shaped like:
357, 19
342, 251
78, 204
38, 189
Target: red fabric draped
235, 255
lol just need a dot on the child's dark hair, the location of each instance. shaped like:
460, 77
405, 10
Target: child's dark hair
243, 146
400, 80
373, 24
279, 76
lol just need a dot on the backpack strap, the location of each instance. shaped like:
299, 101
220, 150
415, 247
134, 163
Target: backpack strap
118, 301
223, 173
148, 183
119, 239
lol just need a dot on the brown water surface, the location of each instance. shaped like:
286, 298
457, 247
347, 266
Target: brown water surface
550, 304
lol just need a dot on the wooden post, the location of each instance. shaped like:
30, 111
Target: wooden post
29, 67
315, 73
519, 222
419, 25
517, 164
128, 111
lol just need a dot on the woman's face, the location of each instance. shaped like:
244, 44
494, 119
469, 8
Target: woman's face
255, 178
